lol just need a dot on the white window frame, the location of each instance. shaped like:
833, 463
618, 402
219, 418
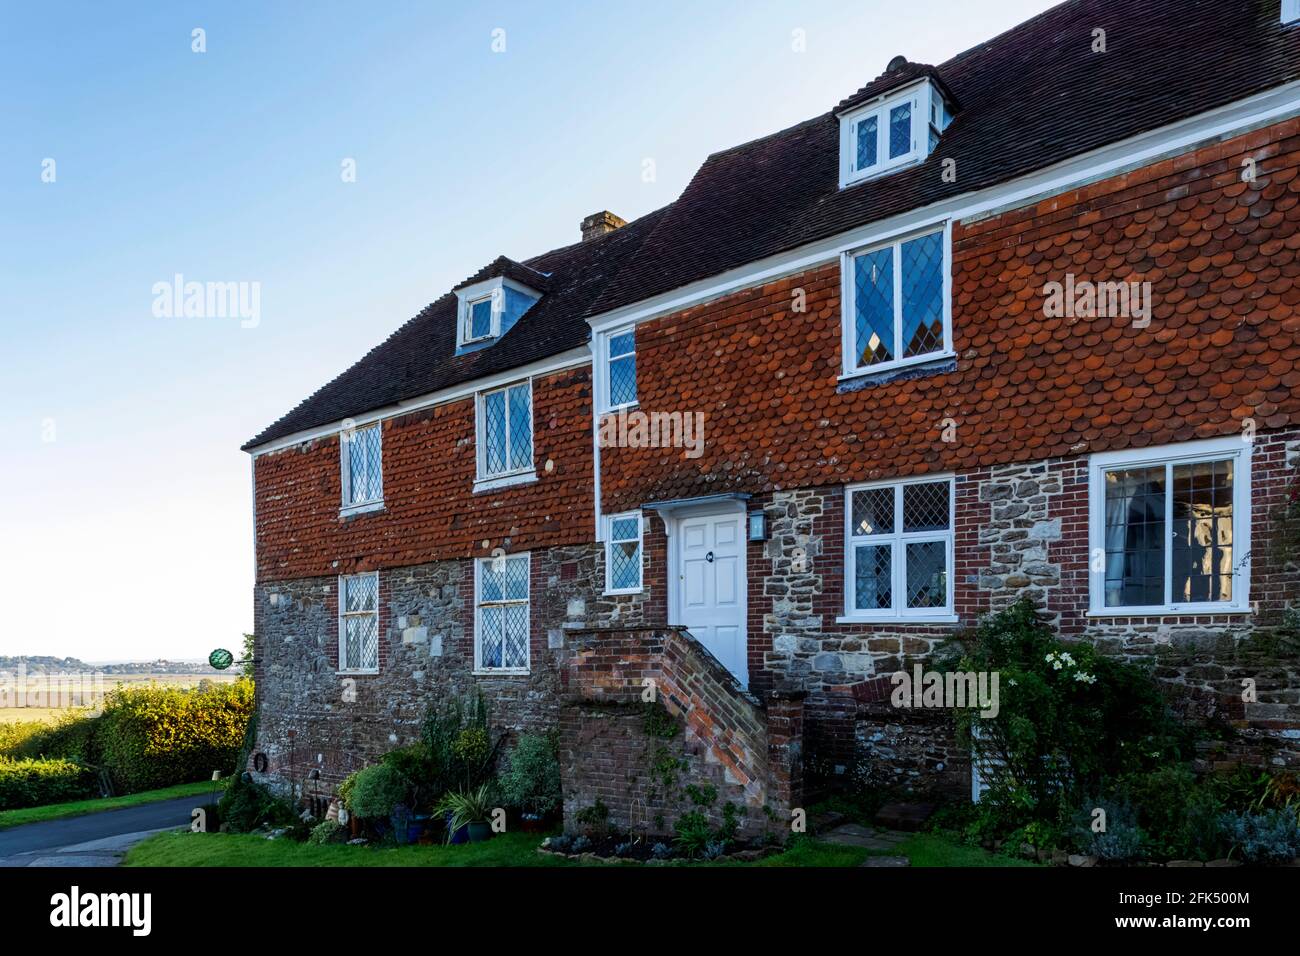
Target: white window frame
927, 105
898, 540
606, 379
467, 336
849, 311
346, 438
478, 615
484, 480
343, 615
495, 289
1215, 449
610, 541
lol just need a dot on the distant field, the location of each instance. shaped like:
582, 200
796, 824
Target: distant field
14, 714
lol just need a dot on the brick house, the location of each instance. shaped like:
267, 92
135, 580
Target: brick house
1022, 323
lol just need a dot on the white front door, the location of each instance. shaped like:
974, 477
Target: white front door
711, 585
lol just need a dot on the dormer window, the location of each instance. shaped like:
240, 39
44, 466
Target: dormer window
489, 308
891, 131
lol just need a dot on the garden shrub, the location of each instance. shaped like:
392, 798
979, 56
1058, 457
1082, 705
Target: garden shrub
376, 790
531, 778
457, 758
1070, 720
26, 782
245, 806
416, 769
1269, 837
157, 736
328, 831
1122, 840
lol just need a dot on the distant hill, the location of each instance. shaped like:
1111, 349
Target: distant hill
41, 664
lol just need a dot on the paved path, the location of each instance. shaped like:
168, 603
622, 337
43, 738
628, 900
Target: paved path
96, 839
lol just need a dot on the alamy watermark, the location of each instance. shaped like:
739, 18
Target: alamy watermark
936, 689
55, 691
1085, 299
637, 429
179, 299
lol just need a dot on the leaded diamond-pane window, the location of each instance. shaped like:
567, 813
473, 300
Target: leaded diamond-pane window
899, 541
898, 301
873, 578
359, 622
480, 318
623, 552
873, 278
923, 295
925, 506
873, 511
927, 574
622, 369
900, 130
506, 431
867, 146
363, 476
502, 613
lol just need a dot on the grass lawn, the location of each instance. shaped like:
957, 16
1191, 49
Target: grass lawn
512, 849
75, 808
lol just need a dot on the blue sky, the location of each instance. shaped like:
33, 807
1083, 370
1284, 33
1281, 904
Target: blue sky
128, 530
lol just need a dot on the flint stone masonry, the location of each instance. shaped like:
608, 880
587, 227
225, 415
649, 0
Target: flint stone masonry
311, 717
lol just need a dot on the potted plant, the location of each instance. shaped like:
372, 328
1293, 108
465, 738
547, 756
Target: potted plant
470, 810
531, 780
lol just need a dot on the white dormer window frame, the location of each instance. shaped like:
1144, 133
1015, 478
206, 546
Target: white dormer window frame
871, 123
492, 292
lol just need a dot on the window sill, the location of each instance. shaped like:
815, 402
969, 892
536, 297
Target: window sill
888, 368
501, 672
505, 481
350, 510
1217, 611
898, 164
352, 673
896, 619
617, 591
615, 409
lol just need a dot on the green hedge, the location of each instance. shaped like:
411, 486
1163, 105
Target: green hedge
146, 737
32, 783
158, 736
71, 737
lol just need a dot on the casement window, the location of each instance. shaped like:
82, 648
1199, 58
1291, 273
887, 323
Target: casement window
620, 369
623, 553
361, 455
479, 319
897, 309
359, 623
1169, 529
891, 131
501, 613
899, 550
505, 434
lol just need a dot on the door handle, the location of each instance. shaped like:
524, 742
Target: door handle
709, 557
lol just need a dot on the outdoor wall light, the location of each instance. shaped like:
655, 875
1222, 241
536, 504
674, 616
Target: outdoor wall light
757, 526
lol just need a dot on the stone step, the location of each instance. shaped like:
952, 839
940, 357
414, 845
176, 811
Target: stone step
909, 817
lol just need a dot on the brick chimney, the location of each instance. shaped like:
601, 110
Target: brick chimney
600, 223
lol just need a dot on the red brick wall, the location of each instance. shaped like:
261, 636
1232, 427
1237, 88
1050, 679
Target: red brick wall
1221, 346
430, 510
